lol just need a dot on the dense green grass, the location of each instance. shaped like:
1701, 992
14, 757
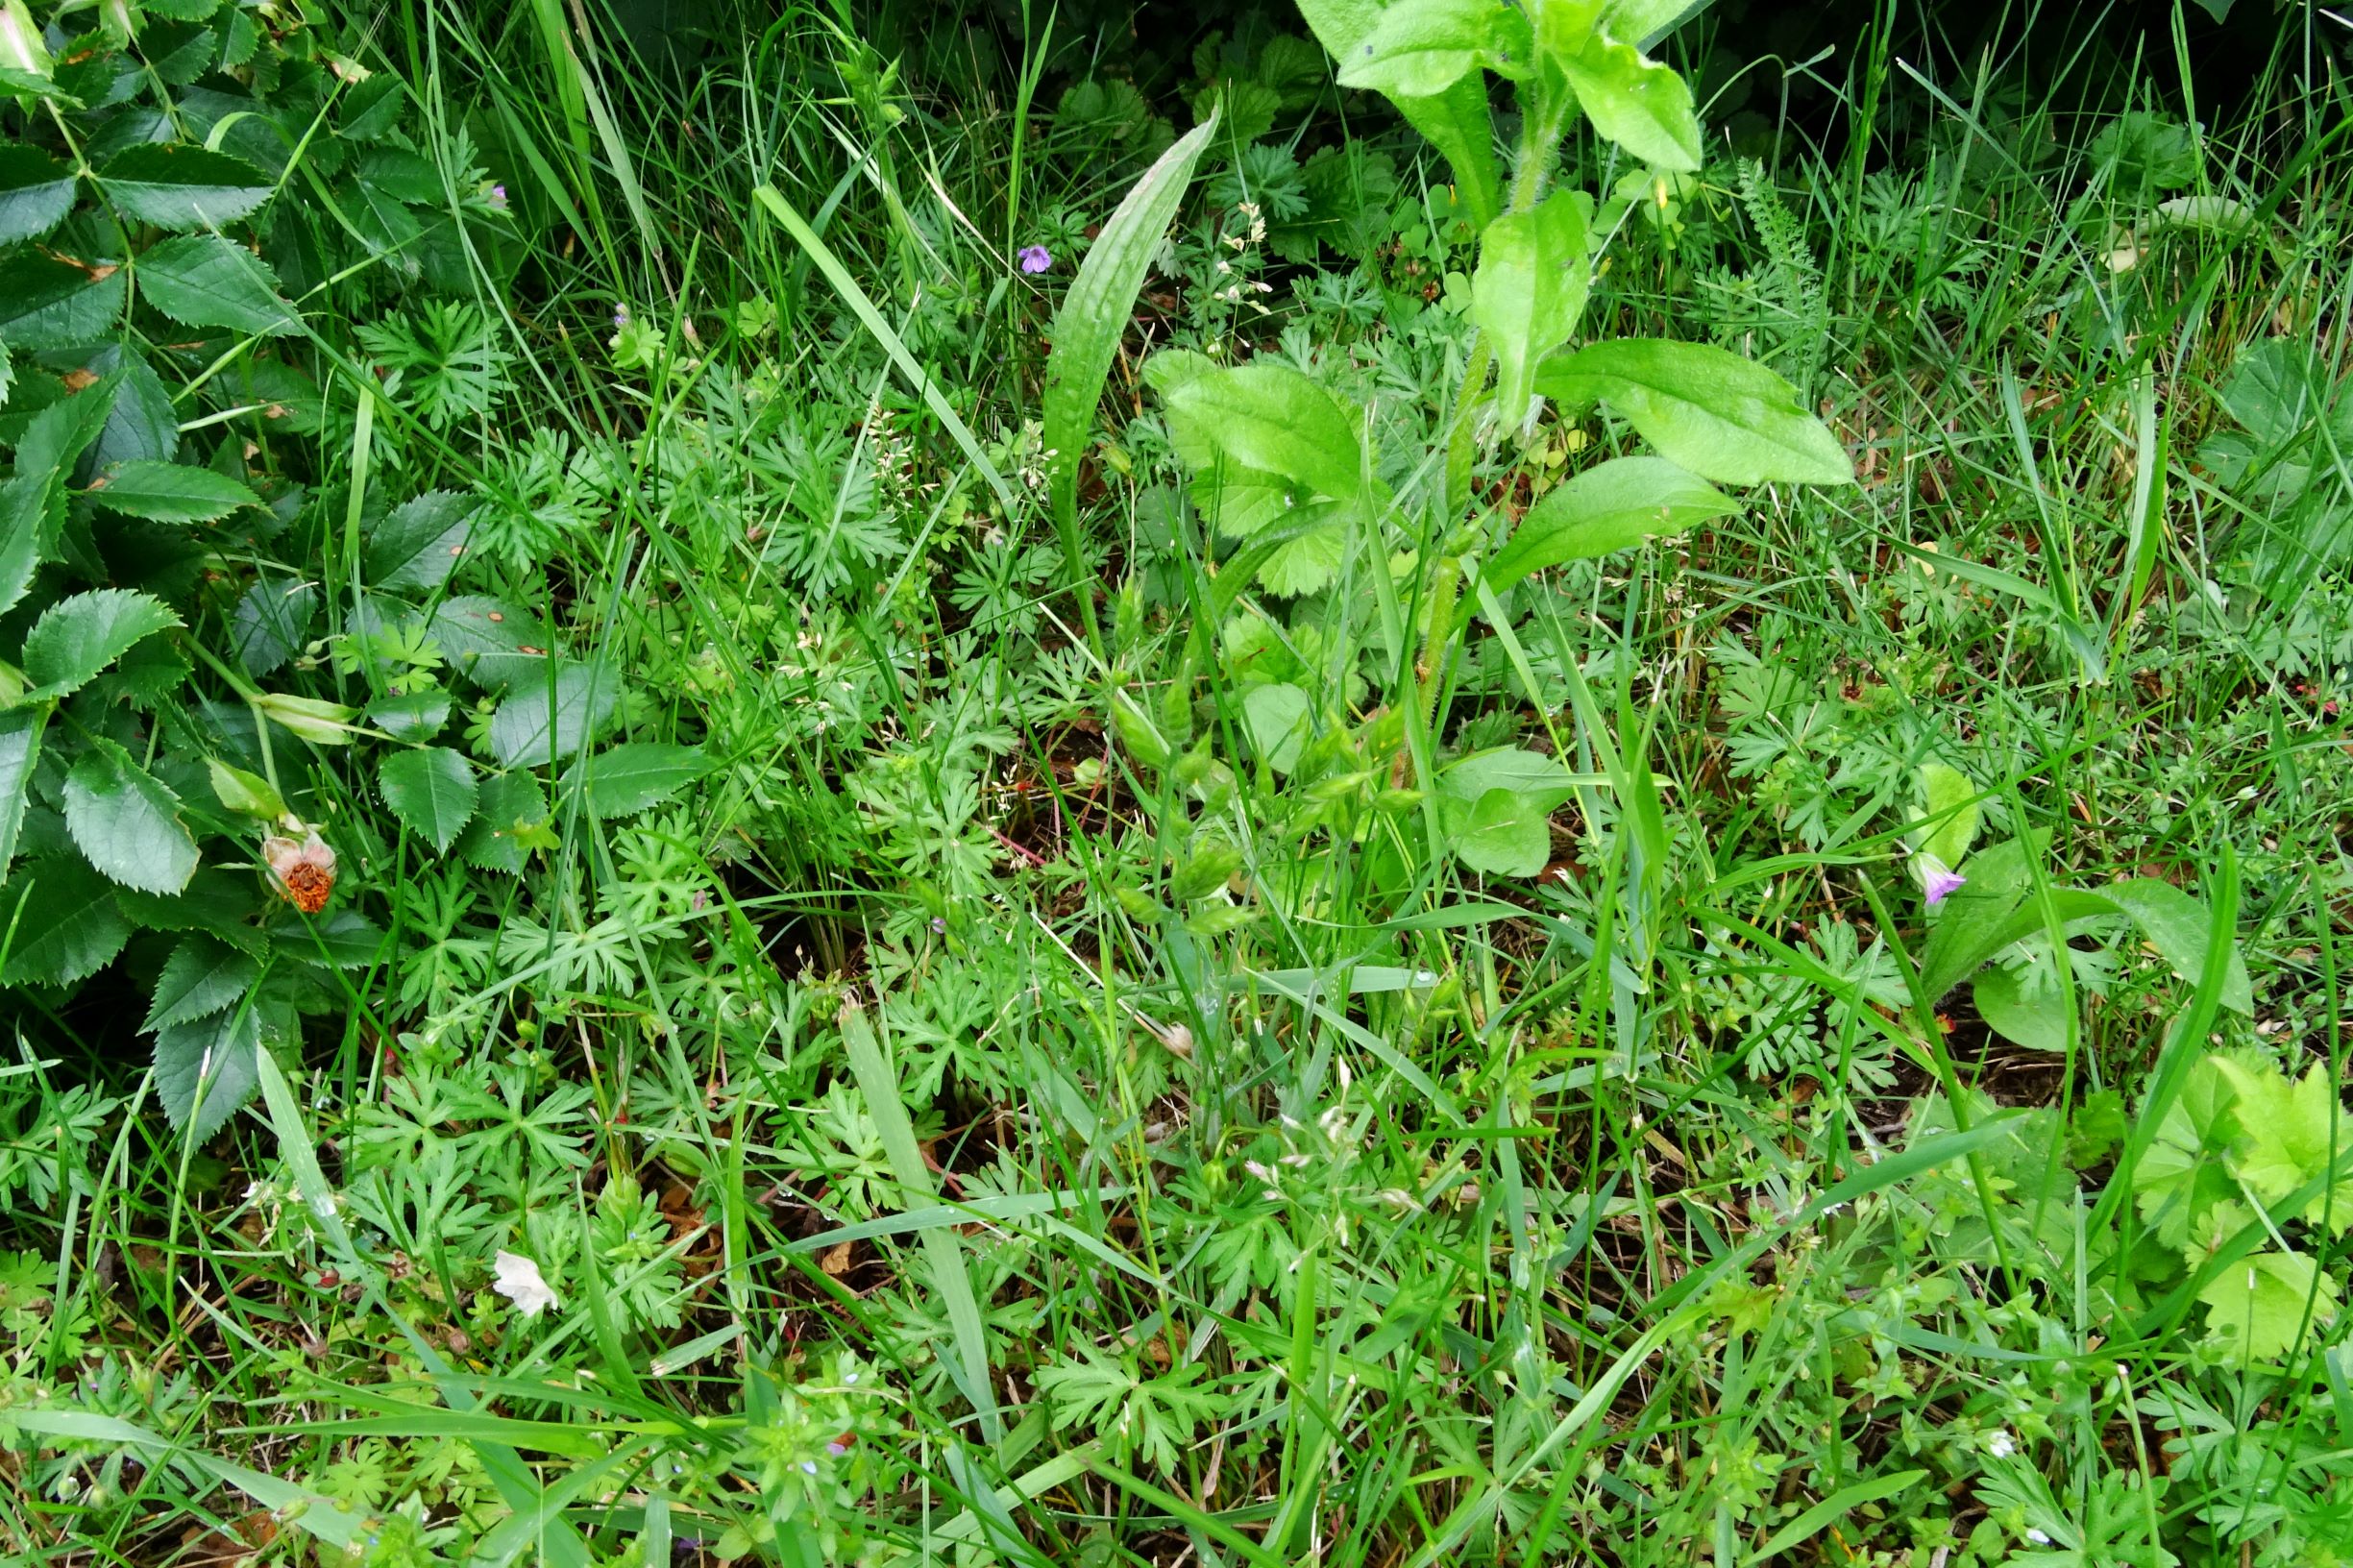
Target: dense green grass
951, 1131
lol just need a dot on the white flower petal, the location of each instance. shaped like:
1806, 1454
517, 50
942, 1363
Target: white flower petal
519, 1281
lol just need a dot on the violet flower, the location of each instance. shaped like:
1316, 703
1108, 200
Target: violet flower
1942, 884
1035, 258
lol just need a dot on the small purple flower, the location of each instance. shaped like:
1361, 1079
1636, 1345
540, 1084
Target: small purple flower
1942, 884
620, 316
1035, 258
939, 925
497, 195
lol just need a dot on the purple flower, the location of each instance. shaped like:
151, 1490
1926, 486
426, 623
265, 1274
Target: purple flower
497, 195
620, 315
1035, 258
939, 925
1942, 884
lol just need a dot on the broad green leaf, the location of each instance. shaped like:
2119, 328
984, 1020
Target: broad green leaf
51, 301
433, 792
174, 186
1722, 417
205, 1069
270, 622
2183, 1171
31, 514
545, 721
1647, 21
79, 636
1614, 505
1275, 714
1095, 315
170, 492
345, 940
485, 640
1457, 121
513, 809
1530, 289
204, 281
2278, 388
66, 925
216, 900
36, 193
142, 423
1540, 778
203, 976
1635, 101
2035, 1018
2177, 925
1950, 804
58, 436
1272, 417
420, 541
20, 748
626, 779
1969, 928
1505, 834
126, 822
2263, 1307
415, 717
1420, 48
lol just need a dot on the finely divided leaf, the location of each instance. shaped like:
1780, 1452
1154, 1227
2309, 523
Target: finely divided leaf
1722, 417
433, 792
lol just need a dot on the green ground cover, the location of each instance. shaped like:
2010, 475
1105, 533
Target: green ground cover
1427, 784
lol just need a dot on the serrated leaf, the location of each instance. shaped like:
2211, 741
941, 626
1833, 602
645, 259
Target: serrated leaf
174, 186
271, 622
345, 940
205, 1069
170, 492
2261, 1307
51, 301
545, 721
204, 280
142, 423
126, 822
1095, 315
56, 438
1529, 290
512, 806
79, 636
415, 717
1635, 101
20, 748
2182, 1173
2291, 1133
36, 193
66, 925
203, 976
626, 779
485, 640
1722, 417
1271, 418
433, 792
218, 901
1420, 49
419, 543
1614, 505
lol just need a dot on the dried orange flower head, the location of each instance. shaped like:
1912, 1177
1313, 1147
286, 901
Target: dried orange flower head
302, 869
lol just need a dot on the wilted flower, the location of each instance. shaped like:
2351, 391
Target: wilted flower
302, 869
518, 1280
1036, 259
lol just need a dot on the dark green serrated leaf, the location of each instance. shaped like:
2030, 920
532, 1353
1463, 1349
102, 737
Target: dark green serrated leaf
170, 492
36, 193
215, 900
66, 925
626, 779
271, 622
545, 721
20, 748
141, 423
431, 791
126, 822
50, 302
174, 186
203, 976
207, 1069
510, 805
420, 541
77, 637
204, 280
